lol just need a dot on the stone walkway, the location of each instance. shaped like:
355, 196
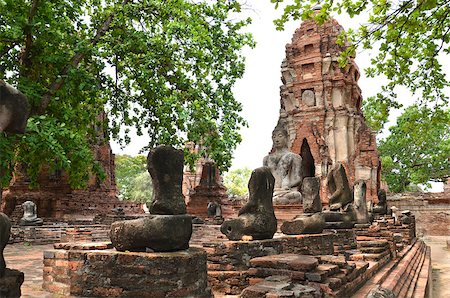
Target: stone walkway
28, 259
440, 260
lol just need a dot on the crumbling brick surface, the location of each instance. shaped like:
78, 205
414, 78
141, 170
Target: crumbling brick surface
108, 273
321, 103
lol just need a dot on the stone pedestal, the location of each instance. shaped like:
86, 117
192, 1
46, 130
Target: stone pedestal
156, 232
109, 273
10, 283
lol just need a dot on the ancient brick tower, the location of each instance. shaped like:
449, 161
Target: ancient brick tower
321, 104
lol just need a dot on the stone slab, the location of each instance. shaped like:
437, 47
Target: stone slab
286, 261
83, 245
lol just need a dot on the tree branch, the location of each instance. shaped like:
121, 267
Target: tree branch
25, 56
8, 48
76, 59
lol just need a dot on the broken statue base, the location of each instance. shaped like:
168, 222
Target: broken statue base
95, 270
10, 283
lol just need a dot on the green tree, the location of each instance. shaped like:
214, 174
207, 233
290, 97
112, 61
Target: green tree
417, 150
236, 181
411, 38
141, 188
164, 67
133, 179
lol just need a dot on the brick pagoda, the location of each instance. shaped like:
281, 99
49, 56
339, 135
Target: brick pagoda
321, 104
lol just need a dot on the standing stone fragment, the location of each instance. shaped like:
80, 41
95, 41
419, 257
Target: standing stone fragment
165, 165
311, 196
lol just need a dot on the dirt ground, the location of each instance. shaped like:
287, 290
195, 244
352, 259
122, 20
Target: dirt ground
440, 259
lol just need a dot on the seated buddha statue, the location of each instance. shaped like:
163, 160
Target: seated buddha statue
286, 167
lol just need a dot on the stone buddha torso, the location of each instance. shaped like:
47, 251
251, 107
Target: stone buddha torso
286, 167
30, 214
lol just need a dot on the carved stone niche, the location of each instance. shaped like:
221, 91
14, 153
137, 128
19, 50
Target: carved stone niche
309, 98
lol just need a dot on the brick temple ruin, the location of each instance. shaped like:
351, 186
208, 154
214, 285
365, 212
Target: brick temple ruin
325, 127
57, 201
321, 104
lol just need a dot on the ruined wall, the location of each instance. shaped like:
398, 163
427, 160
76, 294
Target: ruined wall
55, 199
432, 211
321, 104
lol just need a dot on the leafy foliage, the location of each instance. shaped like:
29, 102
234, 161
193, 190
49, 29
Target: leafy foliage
412, 38
132, 178
236, 181
42, 145
164, 67
418, 149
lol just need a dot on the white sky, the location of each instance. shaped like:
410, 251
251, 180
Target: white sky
258, 90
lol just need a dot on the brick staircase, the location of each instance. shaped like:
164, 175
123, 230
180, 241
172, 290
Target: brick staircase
407, 276
333, 275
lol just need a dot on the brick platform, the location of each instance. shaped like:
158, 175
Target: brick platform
58, 233
99, 272
229, 261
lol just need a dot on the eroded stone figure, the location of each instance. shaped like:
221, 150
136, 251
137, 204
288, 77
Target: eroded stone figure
5, 231
214, 209
338, 187
168, 227
381, 207
30, 217
256, 218
341, 213
286, 167
312, 220
359, 196
311, 195
13, 109
165, 165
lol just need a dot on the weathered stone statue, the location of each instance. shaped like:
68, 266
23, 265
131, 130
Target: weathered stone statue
311, 195
359, 197
30, 217
286, 167
165, 165
338, 187
168, 227
5, 231
308, 223
341, 213
312, 220
381, 207
14, 109
256, 218
214, 209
